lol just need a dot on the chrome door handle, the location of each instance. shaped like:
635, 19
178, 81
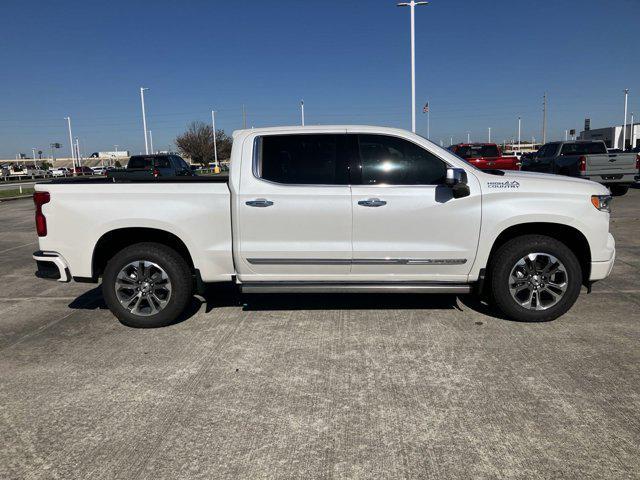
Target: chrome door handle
259, 202
372, 202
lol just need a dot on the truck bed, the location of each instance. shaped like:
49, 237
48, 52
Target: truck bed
105, 180
196, 210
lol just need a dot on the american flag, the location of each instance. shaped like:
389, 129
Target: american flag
425, 109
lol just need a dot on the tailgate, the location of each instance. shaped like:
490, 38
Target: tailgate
611, 163
498, 163
504, 163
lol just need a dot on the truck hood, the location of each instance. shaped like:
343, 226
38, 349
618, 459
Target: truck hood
527, 181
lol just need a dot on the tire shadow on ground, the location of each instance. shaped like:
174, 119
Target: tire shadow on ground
228, 295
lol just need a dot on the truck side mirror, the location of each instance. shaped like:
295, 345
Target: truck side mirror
457, 180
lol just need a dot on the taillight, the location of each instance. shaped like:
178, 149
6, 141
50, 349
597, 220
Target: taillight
40, 198
583, 164
156, 172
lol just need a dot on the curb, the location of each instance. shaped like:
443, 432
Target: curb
7, 199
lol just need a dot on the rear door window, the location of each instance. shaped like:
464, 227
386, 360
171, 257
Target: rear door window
316, 159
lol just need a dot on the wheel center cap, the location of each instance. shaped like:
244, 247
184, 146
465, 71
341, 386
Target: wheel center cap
535, 279
146, 287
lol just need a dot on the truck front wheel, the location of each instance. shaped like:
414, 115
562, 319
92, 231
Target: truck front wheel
619, 190
535, 278
147, 285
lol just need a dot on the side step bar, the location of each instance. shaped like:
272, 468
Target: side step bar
326, 287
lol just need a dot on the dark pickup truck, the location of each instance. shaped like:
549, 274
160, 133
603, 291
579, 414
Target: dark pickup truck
589, 160
145, 166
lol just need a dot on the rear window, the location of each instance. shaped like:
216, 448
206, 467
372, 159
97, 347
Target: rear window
583, 148
475, 151
147, 162
302, 159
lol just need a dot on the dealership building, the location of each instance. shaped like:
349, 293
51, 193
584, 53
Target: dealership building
612, 136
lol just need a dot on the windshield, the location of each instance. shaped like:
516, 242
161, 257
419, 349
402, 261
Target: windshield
476, 151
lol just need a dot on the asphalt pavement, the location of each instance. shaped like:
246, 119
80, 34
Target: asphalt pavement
316, 386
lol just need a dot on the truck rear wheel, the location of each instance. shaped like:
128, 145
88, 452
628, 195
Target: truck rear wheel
535, 278
147, 285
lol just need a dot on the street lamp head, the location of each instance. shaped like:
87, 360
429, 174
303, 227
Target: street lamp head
411, 4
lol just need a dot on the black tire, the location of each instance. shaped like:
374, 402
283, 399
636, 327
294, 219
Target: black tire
504, 260
175, 268
618, 190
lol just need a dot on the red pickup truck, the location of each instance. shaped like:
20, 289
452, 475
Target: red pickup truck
486, 156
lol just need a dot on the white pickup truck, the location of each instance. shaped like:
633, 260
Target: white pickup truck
329, 209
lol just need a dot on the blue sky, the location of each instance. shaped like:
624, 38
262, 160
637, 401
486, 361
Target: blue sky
479, 64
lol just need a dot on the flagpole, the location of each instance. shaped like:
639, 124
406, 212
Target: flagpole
428, 123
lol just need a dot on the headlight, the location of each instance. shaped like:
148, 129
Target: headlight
602, 202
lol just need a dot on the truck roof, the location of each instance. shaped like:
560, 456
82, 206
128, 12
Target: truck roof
322, 128
475, 144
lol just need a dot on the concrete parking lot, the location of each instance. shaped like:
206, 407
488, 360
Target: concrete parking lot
349, 386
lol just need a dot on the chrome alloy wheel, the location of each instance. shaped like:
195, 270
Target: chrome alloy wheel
143, 288
538, 281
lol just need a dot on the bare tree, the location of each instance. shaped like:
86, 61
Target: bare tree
223, 142
197, 143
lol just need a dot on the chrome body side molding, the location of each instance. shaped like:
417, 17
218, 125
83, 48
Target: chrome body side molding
357, 261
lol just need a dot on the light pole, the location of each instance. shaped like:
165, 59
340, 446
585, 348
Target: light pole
151, 142
632, 133
302, 111
624, 125
450, 141
566, 135
519, 125
78, 152
544, 118
412, 4
489, 134
144, 120
215, 145
468, 137
73, 157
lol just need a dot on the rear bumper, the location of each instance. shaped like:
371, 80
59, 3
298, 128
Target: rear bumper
601, 270
51, 266
613, 178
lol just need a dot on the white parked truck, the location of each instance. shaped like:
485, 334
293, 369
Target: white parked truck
329, 209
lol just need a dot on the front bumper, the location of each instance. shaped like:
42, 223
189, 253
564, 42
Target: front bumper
51, 266
601, 270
